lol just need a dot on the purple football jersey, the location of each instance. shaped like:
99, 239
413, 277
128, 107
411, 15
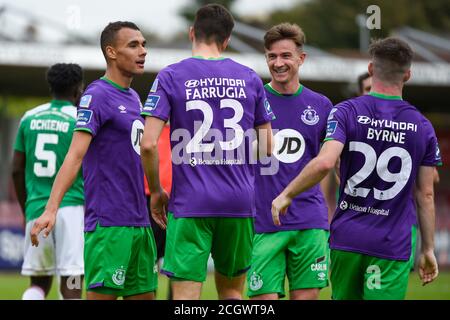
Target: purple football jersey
385, 140
112, 169
299, 130
212, 105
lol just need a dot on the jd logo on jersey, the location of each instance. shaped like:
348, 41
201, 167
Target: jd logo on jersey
289, 145
137, 131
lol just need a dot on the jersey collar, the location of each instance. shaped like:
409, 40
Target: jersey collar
118, 86
384, 96
60, 103
279, 94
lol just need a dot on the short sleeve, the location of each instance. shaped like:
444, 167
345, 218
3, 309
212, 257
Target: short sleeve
432, 155
263, 110
19, 145
327, 107
90, 113
337, 124
158, 103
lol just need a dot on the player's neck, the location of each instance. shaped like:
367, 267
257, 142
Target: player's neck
386, 89
118, 78
285, 88
63, 98
206, 51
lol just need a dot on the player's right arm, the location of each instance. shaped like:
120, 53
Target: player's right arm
63, 181
150, 162
428, 268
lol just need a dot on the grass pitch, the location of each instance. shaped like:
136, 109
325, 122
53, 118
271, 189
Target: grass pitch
12, 285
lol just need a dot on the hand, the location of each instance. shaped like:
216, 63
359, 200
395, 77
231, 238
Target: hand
428, 267
280, 205
45, 222
158, 207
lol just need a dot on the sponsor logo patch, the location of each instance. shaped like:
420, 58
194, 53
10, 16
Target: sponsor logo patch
364, 119
154, 85
191, 83
331, 115
151, 103
85, 101
84, 117
331, 127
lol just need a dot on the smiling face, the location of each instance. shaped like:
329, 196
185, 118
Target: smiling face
284, 59
128, 52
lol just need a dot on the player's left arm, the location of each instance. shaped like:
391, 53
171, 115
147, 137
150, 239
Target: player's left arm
18, 175
428, 268
311, 175
150, 162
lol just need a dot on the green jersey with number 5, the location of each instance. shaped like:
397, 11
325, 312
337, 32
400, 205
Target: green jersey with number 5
44, 135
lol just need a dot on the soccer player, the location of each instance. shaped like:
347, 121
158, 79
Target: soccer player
364, 83
299, 247
211, 102
43, 139
120, 252
386, 146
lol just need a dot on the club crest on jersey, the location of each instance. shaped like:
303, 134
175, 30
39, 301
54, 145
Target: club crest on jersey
151, 103
118, 276
256, 282
84, 117
310, 116
85, 101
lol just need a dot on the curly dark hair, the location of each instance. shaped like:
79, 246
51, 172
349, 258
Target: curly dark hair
64, 78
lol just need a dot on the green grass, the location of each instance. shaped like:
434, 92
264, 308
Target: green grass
12, 286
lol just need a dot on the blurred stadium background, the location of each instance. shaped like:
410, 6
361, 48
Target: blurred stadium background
337, 39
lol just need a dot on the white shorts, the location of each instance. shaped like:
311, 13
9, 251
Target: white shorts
61, 253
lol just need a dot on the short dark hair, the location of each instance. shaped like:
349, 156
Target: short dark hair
284, 31
361, 78
64, 78
391, 58
108, 36
213, 23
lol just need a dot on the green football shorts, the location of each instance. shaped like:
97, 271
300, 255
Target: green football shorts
120, 261
189, 242
302, 255
356, 276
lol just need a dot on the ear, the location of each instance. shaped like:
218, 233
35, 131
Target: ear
111, 53
370, 68
225, 43
191, 34
302, 57
407, 75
